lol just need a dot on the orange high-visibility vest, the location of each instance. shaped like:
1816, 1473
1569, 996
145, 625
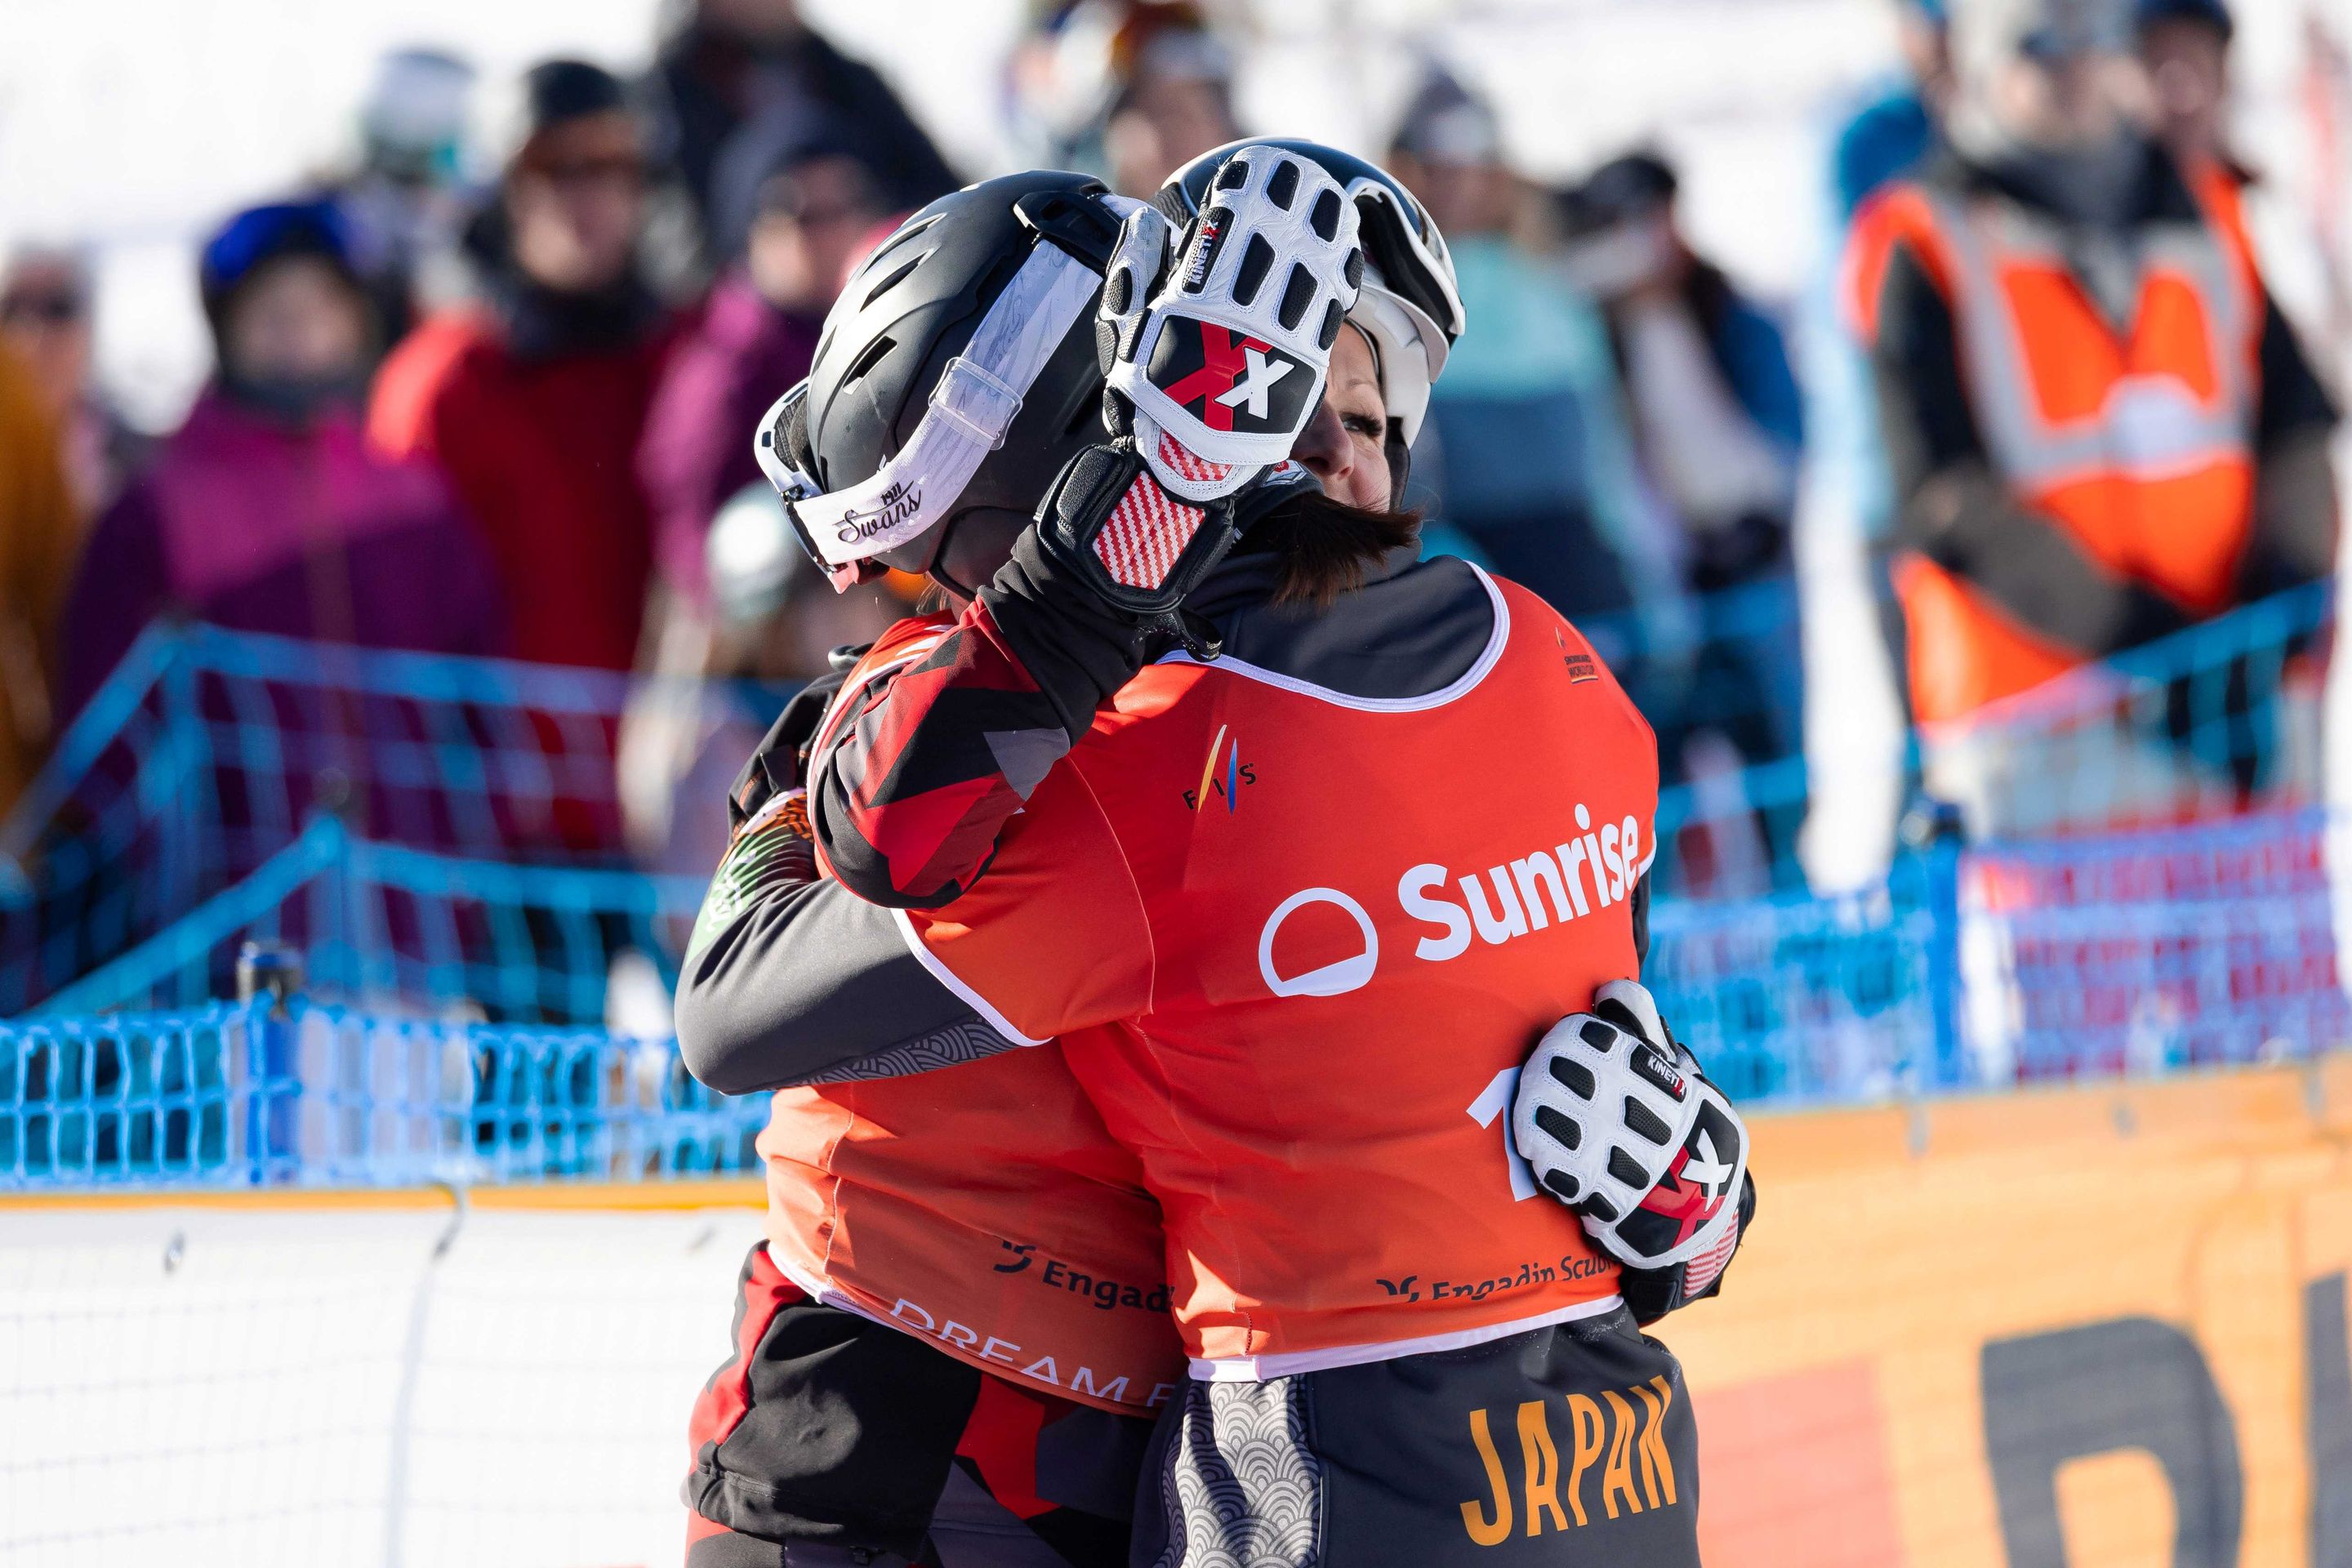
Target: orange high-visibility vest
2139, 445
982, 1208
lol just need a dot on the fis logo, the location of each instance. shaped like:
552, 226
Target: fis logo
1228, 380
1223, 776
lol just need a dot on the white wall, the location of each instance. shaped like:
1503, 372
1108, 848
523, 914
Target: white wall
266, 1388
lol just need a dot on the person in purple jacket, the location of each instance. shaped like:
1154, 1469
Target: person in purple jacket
266, 511
815, 207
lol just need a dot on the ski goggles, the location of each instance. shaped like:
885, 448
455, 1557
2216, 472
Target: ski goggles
971, 407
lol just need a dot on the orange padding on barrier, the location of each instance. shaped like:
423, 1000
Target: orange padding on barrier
2098, 1326
732, 1192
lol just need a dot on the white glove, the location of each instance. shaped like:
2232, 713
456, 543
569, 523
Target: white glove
1618, 1123
1218, 359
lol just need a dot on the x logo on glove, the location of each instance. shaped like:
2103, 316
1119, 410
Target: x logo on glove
1253, 387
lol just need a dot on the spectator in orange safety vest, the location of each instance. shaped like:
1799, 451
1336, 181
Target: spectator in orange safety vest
2100, 428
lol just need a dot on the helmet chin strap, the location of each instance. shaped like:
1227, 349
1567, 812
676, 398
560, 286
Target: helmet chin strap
1393, 447
1400, 457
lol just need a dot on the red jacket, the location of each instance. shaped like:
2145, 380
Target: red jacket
542, 454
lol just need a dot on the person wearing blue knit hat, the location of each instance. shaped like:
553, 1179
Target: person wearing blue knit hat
2184, 46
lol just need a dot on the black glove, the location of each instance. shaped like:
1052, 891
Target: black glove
1214, 349
780, 763
1109, 529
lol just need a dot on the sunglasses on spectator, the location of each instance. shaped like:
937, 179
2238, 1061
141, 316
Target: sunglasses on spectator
43, 310
823, 215
573, 173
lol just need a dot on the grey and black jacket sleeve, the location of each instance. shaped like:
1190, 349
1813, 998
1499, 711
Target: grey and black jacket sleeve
789, 978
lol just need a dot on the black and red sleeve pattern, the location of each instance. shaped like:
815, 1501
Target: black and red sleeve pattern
923, 764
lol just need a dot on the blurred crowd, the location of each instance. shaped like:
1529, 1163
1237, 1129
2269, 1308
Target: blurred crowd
2057, 407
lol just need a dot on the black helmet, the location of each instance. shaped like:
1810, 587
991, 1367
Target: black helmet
932, 422
1410, 303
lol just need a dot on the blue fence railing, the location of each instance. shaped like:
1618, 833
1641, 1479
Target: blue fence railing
442, 844
207, 754
253, 1094
2134, 953
401, 930
2215, 720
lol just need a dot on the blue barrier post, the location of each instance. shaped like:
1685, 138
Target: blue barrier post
1932, 835
273, 970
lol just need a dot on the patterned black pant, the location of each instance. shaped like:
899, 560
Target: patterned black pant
1563, 1445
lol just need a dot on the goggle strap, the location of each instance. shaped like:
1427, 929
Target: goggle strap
971, 408
976, 400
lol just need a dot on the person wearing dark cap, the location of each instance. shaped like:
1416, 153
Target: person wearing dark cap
2184, 45
724, 65
534, 398
1526, 450
811, 217
1717, 426
266, 511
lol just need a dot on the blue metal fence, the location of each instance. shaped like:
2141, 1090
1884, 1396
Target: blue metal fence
253, 1094
1795, 999
438, 840
202, 762
2110, 954
2208, 723
404, 929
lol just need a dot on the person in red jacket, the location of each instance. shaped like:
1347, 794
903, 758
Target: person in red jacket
534, 401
